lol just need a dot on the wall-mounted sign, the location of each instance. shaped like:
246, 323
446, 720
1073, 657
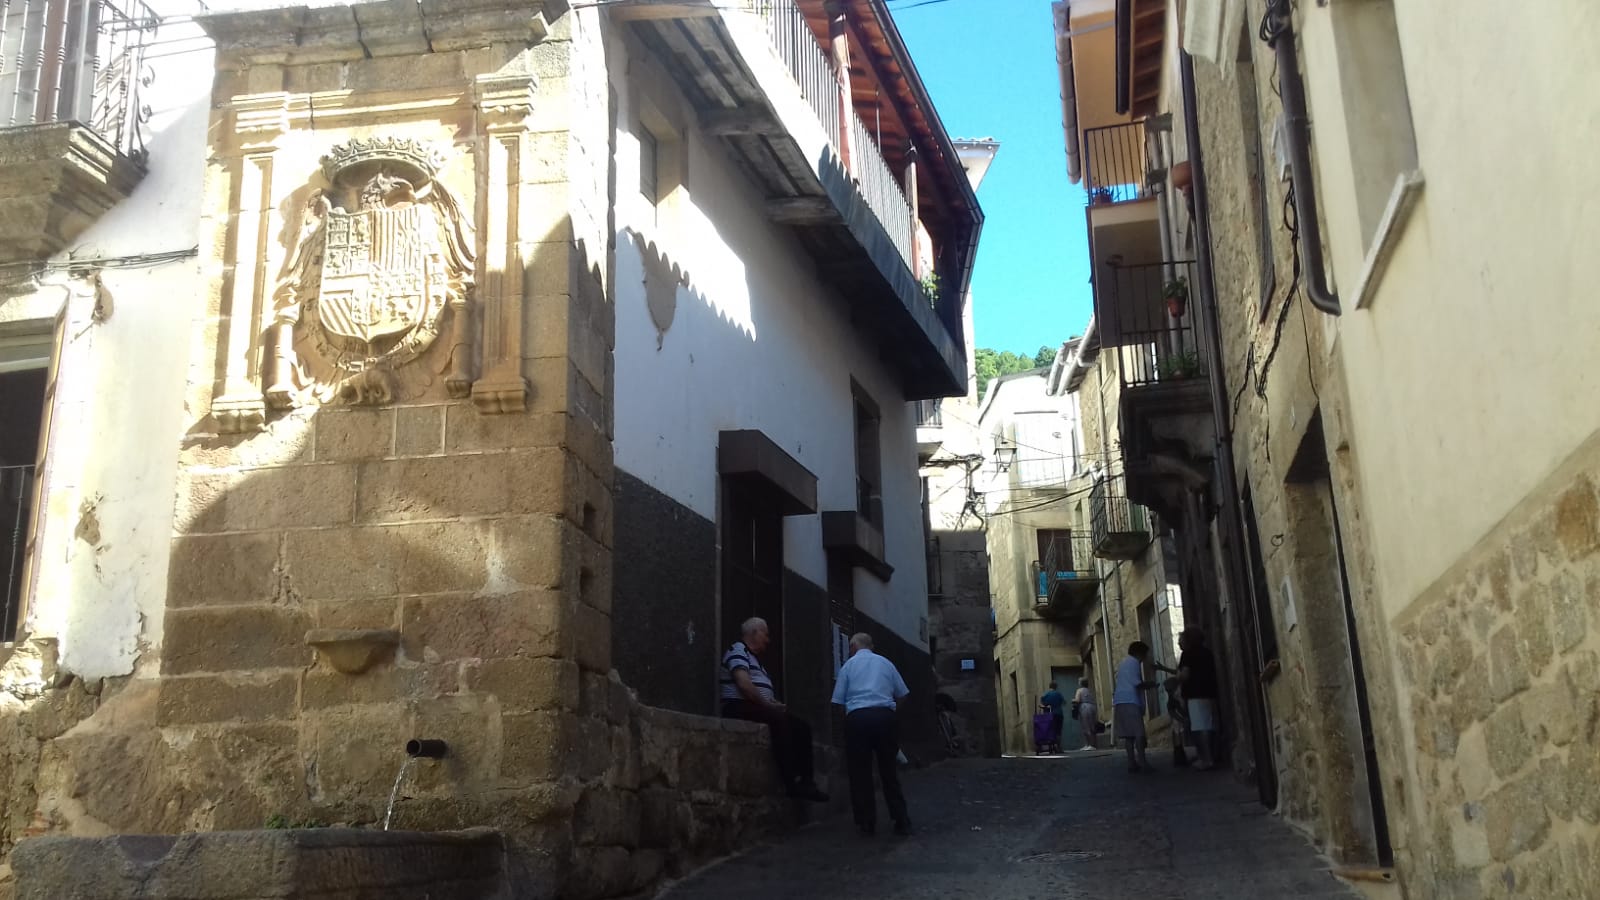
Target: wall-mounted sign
969, 665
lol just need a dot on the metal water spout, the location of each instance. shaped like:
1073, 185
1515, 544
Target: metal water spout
426, 748
416, 748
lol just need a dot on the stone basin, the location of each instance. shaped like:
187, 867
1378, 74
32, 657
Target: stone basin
325, 863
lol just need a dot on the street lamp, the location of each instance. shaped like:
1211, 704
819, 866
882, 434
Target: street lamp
1005, 454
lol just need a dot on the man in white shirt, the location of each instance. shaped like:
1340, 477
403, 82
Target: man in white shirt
1128, 705
868, 688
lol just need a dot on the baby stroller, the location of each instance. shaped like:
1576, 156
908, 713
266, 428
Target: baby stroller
1178, 712
1045, 739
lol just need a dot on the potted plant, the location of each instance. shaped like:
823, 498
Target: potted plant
1179, 366
1176, 293
1100, 196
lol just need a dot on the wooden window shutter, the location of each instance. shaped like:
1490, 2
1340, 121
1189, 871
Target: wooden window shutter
41, 478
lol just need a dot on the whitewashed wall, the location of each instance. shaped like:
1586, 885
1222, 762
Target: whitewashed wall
103, 553
754, 341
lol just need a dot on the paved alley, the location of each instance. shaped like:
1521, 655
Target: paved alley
1019, 829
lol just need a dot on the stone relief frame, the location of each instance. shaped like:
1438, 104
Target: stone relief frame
473, 284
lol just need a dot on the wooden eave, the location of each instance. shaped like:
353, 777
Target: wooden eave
826, 214
1146, 53
881, 84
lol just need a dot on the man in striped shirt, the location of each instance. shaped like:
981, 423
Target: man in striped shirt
747, 694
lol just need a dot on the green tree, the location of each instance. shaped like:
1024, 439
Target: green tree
1045, 357
991, 364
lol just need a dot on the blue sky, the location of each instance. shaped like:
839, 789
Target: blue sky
990, 66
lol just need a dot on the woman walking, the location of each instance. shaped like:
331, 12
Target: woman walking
1088, 717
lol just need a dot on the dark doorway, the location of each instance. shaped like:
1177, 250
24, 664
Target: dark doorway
1317, 532
752, 568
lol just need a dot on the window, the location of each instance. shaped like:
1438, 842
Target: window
1055, 548
28, 365
1377, 110
869, 471
649, 166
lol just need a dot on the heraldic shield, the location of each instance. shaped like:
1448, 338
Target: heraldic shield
383, 263
376, 279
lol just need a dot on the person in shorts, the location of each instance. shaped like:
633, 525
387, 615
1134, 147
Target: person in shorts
1197, 672
1127, 705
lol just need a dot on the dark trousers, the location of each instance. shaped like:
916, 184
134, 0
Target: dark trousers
869, 734
791, 738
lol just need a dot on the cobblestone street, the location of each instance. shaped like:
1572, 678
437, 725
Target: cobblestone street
1019, 829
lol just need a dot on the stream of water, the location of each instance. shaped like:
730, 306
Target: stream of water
394, 794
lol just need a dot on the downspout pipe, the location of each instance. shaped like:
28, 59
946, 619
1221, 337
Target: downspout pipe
1230, 512
1297, 127
1124, 20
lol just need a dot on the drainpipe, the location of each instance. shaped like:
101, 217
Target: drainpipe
1230, 514
1298, 136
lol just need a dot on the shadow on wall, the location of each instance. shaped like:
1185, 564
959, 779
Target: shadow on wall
471, 554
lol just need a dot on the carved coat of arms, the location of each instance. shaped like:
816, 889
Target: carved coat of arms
383, 253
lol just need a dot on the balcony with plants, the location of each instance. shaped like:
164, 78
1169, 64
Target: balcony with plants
1165, 402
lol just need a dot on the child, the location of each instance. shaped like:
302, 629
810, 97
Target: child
1128, 705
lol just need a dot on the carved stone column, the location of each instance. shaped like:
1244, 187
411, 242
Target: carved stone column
259, 120
503, 105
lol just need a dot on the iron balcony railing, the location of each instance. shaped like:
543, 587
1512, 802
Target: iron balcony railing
1147, 310
930, 413
76, 61
1114, 164
1066, 559
1112, 516
797, 46
16, 514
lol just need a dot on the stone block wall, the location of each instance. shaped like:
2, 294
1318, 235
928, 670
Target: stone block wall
335, 863
1500, 660
961, 625
417, 549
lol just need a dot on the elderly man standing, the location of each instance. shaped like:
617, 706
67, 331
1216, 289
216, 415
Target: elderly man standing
747, 694
869, 686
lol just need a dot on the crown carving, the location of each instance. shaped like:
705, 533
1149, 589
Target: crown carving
408, 152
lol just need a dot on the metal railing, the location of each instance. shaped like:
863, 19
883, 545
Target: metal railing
930, 413
1066, 559
1114, 164
16, 515
1110, 514
1148, 311
814, 71
76, 61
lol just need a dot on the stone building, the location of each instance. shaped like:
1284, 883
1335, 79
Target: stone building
472, 370
1399, 543
960, 621
1031, 463
1135, 571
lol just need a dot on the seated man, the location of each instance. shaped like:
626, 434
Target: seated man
747, 694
